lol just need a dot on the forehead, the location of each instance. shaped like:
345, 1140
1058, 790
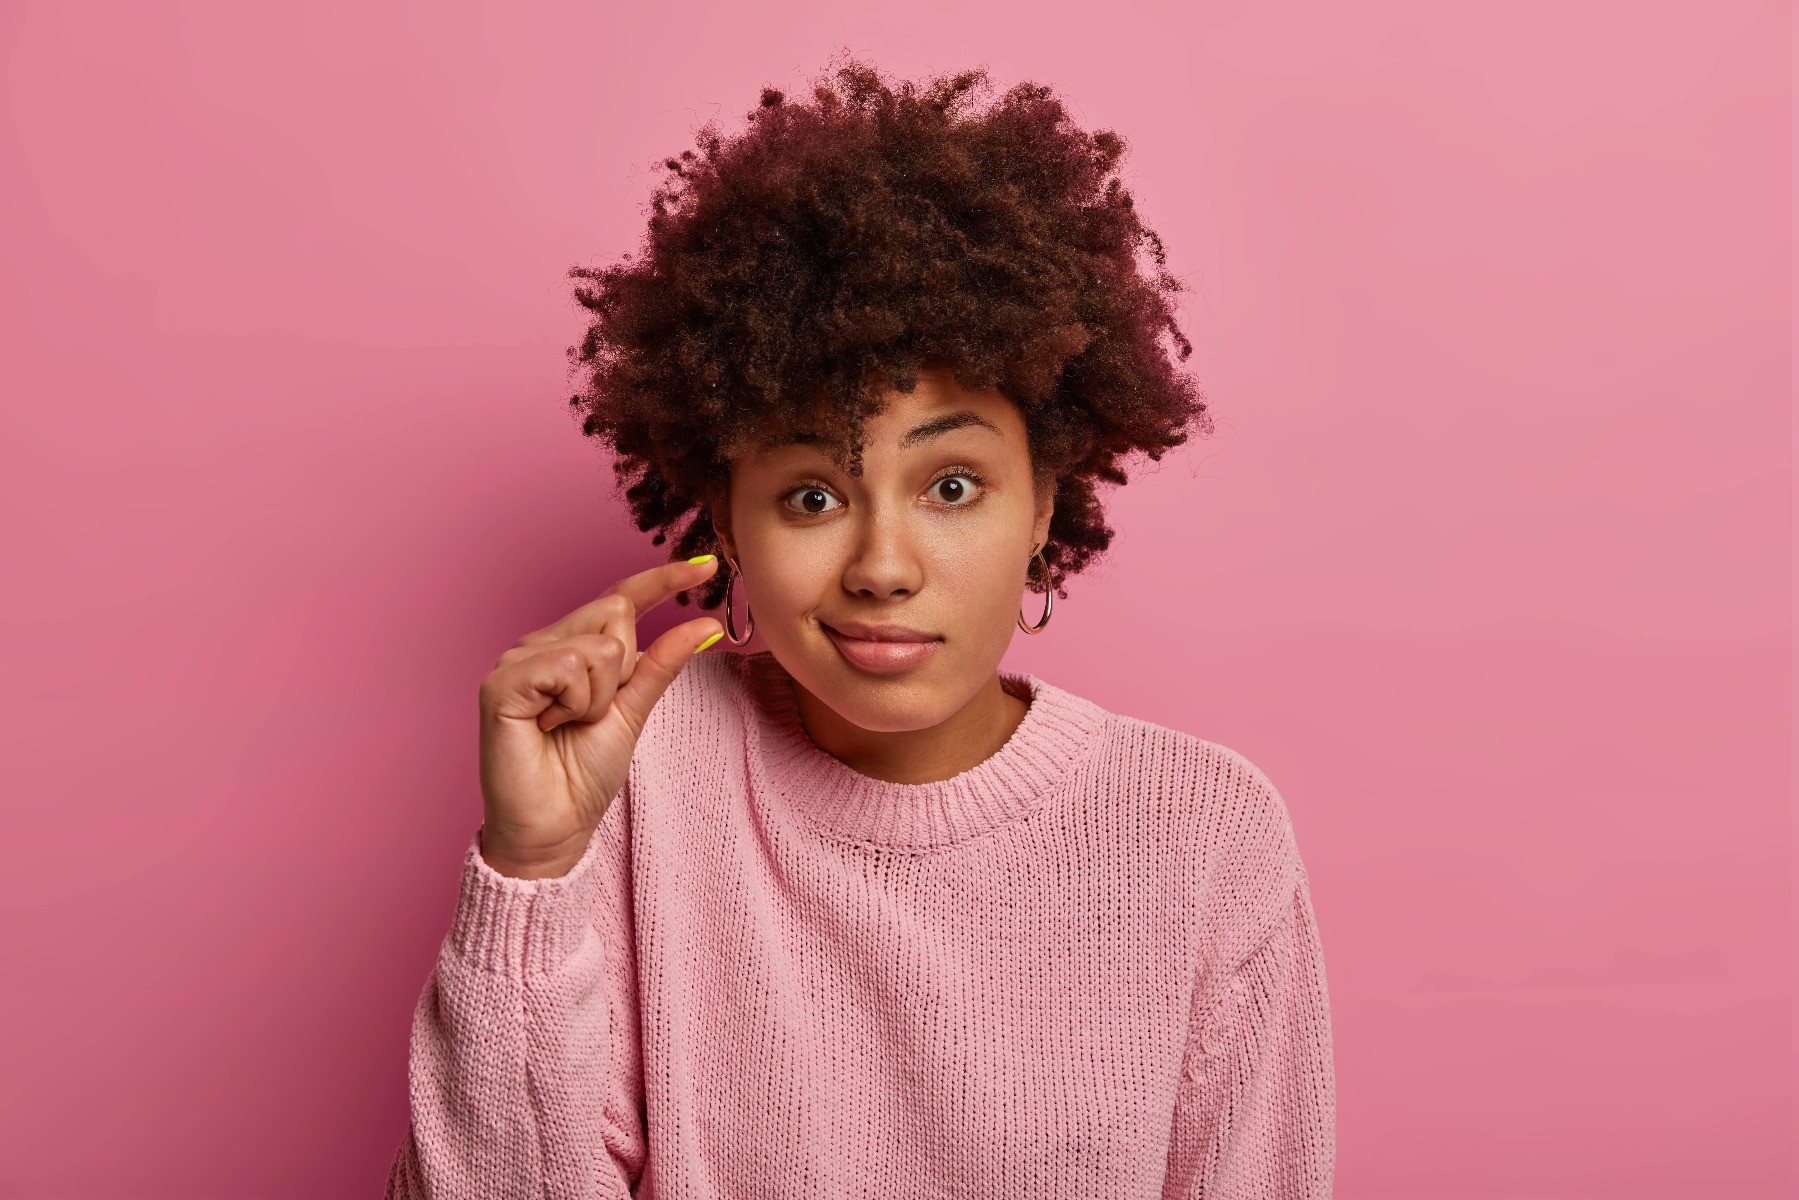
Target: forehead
935, 407
936, 414
936, 394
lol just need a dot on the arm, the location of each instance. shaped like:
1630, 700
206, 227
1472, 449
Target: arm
1256, 1110
516, 1088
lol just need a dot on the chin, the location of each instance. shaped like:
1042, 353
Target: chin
916, 698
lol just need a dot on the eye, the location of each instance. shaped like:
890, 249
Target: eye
811, 497
957, 493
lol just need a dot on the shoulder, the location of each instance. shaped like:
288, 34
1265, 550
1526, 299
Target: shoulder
1217, 790
1233, 834
1234, 837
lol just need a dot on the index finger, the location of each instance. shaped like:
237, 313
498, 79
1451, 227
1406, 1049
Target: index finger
642, 591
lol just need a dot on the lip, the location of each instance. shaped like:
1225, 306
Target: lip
884, 649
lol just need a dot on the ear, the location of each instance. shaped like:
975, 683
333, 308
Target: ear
1046, 506
719, 506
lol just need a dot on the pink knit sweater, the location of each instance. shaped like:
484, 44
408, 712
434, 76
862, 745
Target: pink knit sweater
1087, 966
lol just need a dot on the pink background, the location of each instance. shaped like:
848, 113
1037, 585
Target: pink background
1488, 567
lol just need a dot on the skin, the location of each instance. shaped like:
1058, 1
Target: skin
561, 711
562, 708
895, 545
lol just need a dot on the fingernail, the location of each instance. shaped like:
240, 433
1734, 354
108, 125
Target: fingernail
701, 559
710, 640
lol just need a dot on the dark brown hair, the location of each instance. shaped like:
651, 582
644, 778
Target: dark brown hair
839, 245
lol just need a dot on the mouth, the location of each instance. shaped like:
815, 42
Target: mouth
883, 649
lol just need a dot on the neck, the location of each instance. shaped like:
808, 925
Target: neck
963, 741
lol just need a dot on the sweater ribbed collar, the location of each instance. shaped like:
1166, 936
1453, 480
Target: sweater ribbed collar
1058, 731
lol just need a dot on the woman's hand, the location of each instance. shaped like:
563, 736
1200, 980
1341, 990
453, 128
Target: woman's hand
560, 715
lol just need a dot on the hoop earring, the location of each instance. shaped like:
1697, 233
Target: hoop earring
730, 625
1049, 598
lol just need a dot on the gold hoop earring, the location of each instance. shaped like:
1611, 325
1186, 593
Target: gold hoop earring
1049, 598
730, 625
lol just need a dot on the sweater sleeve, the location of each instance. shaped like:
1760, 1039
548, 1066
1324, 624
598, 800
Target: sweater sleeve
521, 1079
1256, 1109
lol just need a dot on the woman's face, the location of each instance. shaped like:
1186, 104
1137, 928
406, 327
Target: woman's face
935, 536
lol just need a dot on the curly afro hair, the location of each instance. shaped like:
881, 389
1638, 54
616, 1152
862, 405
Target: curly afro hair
835, 247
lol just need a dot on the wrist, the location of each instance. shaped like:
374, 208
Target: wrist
543, 863
516, 918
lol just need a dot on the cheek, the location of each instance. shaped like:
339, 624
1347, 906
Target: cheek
975, 567
980, 577
792, 573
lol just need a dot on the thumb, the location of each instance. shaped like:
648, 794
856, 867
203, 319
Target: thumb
657, 667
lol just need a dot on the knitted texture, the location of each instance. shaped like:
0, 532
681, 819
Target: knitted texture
1086, 967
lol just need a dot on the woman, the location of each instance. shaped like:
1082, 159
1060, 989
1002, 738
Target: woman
860, 914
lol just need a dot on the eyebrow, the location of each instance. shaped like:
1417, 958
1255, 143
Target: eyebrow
942, 425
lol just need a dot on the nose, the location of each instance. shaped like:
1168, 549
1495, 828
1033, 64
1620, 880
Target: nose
884, 561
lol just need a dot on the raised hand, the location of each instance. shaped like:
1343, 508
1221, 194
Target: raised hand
560, 715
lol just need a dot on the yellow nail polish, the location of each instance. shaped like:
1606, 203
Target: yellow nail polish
704, 558
710, 640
